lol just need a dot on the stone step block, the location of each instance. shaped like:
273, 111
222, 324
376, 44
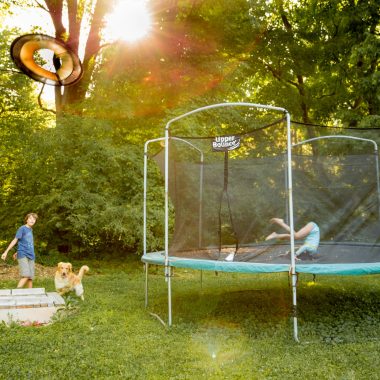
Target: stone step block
56, 298
28, 291
41, 315
7, 303
31, 301
29, 305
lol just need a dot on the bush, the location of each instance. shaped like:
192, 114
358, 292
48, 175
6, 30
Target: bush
86, 188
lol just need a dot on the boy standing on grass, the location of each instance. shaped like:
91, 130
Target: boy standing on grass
25, 250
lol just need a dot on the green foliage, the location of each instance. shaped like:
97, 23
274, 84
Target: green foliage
318, 59
86, 190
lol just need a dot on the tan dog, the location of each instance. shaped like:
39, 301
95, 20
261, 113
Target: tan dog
66, 281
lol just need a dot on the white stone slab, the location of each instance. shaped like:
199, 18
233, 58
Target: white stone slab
7, 303
41, 315
6, 298
28, 291
29, 305
31, 300
5, 292
56, 298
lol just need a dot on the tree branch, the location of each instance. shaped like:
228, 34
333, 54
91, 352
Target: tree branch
74, 25
55, 11
39, 5
40, 102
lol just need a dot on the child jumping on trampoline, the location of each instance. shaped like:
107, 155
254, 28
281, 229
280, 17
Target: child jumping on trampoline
309, 232
25, 250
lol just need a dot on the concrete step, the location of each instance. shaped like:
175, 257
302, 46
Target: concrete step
34, 305
27, 291
35, 297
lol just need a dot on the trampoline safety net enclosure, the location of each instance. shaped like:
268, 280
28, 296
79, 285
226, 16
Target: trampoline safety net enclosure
228, 174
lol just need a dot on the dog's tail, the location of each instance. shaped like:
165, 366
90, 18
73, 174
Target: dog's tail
82, 271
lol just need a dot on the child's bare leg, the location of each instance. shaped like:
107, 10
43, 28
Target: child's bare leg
280, 222
275, 235
22, 282
272, 236
30, 283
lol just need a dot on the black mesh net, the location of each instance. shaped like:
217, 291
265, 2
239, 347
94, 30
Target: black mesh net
223, 200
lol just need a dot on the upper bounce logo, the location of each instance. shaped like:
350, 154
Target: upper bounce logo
224, 143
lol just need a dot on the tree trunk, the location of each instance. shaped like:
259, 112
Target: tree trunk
69, 99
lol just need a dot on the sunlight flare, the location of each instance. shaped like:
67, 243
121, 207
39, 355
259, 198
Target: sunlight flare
129, 21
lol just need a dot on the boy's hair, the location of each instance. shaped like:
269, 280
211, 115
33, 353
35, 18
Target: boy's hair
35, 216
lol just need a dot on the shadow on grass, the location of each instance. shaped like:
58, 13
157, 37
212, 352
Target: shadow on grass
326, 312
340, 315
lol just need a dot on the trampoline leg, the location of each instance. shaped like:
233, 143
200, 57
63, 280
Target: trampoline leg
168, 274
295, 320
146, 284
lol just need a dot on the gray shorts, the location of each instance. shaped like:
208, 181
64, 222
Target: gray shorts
26, 267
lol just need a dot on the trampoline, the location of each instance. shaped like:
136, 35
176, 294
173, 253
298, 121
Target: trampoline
224, 184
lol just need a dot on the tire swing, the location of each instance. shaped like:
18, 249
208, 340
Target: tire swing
65, 68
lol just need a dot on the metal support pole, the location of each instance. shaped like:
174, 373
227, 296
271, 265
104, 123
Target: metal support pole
200, 226
144, 218
167, 267
376, 154
286, 187
291, 220
373, 142
146, 284
168, 278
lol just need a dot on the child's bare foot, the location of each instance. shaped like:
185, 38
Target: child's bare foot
277, 221
273, 235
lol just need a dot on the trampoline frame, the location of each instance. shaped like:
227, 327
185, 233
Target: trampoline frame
289, 184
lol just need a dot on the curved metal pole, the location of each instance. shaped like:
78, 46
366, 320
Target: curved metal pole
146, 179
144, 218
286, 187
291, 225
336, 137
145, 188
145, 213
376, 154
375, 149
167, 269
255, 105
293, 266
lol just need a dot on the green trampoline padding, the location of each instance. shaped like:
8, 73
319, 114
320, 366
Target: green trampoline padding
329, 268
158, 258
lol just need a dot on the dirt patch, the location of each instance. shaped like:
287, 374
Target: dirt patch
11, 272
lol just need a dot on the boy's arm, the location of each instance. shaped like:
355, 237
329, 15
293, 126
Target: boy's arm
10, 246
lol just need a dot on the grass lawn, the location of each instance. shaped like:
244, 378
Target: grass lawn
231, 327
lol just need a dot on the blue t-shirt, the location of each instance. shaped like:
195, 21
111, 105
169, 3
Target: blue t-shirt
25, 244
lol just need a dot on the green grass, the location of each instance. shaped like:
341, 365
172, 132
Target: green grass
229, 327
